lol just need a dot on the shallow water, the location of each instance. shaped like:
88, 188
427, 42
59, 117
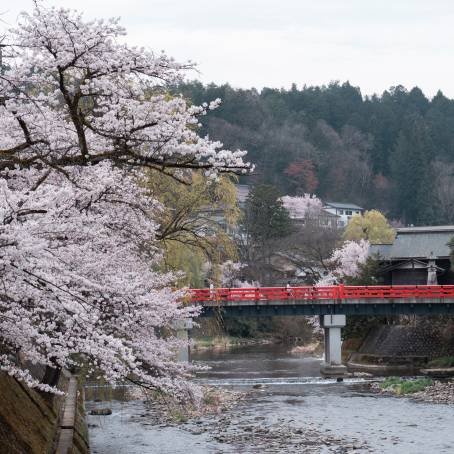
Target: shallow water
294, 396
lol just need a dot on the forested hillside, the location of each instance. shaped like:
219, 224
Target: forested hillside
394, 152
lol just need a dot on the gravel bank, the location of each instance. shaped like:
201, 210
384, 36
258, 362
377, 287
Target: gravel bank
440, 392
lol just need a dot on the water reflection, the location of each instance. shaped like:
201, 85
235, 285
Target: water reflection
257, 361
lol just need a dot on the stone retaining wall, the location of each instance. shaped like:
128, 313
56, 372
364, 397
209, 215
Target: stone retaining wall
32, 424
400, 349
405, 341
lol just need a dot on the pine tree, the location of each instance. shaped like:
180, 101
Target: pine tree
411, 169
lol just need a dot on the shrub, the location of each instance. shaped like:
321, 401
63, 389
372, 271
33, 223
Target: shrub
445, 361
400, 386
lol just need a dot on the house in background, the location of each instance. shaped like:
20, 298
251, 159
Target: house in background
418, 256
344, 210
322, 219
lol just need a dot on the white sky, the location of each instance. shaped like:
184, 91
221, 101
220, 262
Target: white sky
374, 44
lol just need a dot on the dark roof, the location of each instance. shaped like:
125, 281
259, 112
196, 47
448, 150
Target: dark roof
417, 242
344, 205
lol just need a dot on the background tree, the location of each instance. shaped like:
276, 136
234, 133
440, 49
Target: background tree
412, 172
266, 222
372, 226
305, 137
195, 223
310, 247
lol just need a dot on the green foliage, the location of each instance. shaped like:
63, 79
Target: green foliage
266, 217
412, 172
443, 362
248, 327
368, 273
372, 226
194, 222
375, 151
406, 386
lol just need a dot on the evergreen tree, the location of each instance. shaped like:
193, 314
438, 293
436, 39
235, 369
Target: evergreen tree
412, 173
266, 217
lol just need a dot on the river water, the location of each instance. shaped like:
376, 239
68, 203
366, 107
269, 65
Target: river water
294, 410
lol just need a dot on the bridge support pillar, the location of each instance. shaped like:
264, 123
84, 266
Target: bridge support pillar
332, 366
182, 328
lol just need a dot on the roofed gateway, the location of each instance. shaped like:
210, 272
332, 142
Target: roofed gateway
418, 256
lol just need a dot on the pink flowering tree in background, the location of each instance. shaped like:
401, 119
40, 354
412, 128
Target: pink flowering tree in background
301, 207
230, 273
346, 262
82, 115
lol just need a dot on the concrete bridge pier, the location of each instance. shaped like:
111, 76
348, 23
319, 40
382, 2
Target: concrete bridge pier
182, 328
332, 325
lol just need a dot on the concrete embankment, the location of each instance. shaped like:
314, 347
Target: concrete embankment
400, 349
32, 424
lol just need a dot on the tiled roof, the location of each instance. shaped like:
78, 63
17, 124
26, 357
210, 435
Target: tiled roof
417, 242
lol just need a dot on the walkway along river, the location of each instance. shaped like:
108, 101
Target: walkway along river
289, 409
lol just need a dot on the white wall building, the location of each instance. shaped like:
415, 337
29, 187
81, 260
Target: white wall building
344, 210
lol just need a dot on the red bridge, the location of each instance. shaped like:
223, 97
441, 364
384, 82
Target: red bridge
339, 299
331, 303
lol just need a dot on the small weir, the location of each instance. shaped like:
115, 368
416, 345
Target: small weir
319, 381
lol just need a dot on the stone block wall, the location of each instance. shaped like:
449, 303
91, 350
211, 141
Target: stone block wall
31, 424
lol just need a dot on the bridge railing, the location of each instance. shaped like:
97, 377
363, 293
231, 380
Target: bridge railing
337, 292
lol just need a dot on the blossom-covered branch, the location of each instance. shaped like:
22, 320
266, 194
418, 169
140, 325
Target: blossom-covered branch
82, 114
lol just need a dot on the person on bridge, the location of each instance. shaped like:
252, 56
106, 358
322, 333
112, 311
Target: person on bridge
289, 290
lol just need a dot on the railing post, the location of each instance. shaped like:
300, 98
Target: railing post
340, 292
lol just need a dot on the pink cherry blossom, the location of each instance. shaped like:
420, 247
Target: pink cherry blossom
82, 114
301, 207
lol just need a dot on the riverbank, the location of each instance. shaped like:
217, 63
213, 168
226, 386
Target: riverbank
433, 391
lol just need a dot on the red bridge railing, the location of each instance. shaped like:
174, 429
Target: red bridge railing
337, 292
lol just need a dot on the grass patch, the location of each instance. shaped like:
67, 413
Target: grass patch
220, 341
443, 362
178, 415
401, 386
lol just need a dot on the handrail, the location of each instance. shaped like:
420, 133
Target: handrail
336, 292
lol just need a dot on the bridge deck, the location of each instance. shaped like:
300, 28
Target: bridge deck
340, 299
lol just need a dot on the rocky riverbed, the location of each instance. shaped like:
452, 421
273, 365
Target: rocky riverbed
440, 392
285, 408
228, 428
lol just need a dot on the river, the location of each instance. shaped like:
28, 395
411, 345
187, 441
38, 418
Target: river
293, 410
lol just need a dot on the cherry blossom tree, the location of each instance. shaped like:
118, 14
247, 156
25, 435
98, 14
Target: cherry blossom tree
82, 114
349, 257
301, 207
346, 262
230, 273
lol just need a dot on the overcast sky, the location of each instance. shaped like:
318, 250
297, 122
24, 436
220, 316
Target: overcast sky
374, 44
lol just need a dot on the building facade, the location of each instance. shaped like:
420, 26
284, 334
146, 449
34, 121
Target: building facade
344, 211
418, 256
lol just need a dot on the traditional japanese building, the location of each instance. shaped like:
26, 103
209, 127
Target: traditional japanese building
418, 256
